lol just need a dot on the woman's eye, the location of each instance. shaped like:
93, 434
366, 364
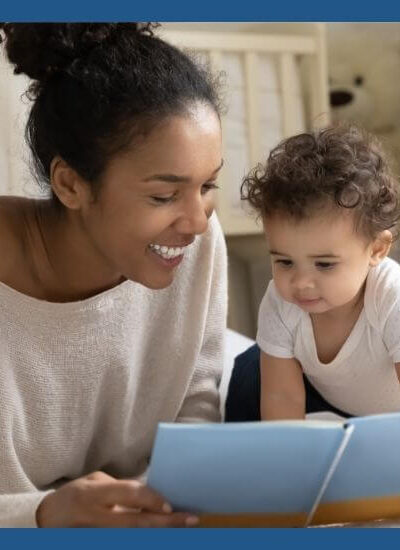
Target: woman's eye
284, 263
163, 200
325, 265
170, 198
208, 187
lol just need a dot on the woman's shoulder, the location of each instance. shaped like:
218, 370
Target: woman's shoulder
209, 248
13, 212
214, 236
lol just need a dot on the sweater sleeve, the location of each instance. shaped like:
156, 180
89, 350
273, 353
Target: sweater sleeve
19, 510
201, 403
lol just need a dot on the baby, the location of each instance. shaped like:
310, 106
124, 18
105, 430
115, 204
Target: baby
330, 318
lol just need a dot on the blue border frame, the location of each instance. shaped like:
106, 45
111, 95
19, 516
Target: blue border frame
200, 10
198, 539
203, 10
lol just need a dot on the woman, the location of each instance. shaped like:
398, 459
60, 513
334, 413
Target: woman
113, 290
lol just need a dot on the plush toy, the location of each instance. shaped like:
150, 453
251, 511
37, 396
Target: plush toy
364, 79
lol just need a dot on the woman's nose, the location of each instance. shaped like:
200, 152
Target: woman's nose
194, 219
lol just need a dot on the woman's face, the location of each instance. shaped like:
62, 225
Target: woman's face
156, 198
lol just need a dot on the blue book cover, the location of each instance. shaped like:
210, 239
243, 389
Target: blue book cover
273, 470
281, 473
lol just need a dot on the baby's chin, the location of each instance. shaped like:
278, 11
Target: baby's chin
317, 305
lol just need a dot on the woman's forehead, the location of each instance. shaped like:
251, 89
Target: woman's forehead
175, 143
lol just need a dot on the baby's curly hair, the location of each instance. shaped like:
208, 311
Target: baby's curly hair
340, 166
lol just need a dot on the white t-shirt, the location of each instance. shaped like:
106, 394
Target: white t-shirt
361, 379
84, 384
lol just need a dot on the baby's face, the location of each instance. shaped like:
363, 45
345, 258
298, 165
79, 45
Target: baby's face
320, 263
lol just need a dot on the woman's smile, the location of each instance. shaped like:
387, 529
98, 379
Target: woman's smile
168, 256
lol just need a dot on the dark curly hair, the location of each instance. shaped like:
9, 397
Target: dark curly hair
98, 85
340, 166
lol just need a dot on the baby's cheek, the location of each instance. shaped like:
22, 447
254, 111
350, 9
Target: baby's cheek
283, 288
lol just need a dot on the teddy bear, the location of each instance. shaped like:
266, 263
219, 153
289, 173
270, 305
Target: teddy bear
364, 79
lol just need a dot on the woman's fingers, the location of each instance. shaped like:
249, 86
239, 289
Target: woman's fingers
99, 500
129, 503
130, 494
133, 519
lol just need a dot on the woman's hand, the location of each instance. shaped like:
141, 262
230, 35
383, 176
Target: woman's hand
99, 500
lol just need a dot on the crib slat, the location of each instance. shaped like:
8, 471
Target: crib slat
287, 66
222, 202
231, 217
253, 110
318, 81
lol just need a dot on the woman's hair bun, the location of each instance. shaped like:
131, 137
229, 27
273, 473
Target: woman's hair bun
41, 49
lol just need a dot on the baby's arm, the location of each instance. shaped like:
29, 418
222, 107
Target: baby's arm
282, 388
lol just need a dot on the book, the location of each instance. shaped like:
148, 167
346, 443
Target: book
281, 473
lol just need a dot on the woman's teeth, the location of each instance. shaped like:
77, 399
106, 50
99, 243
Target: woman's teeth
167, 252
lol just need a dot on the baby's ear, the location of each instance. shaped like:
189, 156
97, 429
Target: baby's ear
381, 247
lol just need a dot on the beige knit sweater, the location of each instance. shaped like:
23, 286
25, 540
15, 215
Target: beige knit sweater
84, 384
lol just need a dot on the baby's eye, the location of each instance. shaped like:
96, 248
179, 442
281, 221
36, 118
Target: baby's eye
284, 263
325, 265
